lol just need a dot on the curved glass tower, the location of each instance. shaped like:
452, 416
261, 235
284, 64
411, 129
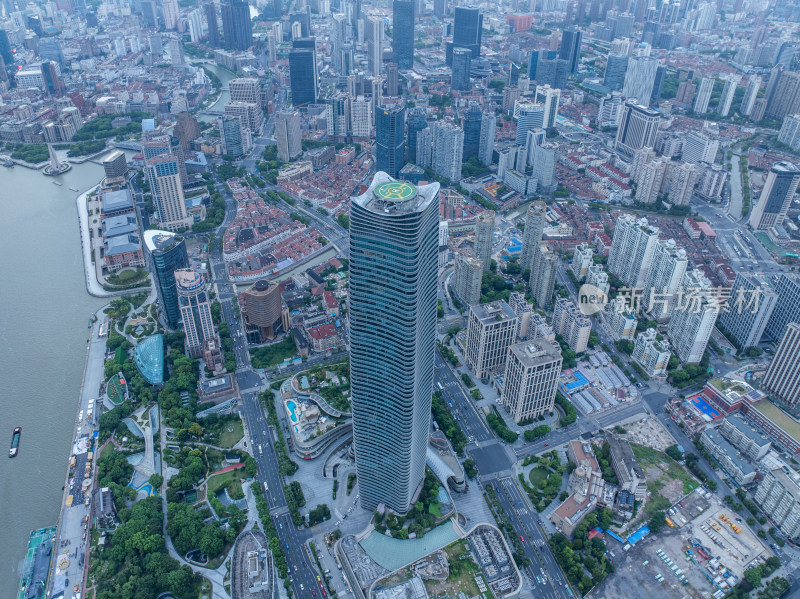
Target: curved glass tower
394, 230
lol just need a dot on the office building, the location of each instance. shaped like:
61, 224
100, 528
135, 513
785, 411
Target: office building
699, 146
287, 135
640, 79
484, 238
115, 166
790, 131
210, 11
782, 379
609, 113
467, 30
691, 324
582, 259
733, 463
629, 473
166, 253
529, 116
651, 354
776, 196
462, 64
392, 334
195, 309
785, 99
467, 277
750, 95
535, 221
632, 250
570, 49
491, 330
163, 175
375, 44
245, 89
638, 129
237, 28
728, 91
361, 117
390, 138
616, 69
303, 73
187, 129
417, 120
738, 432
403, 18
392, 80
447, 150
262, 311
778, 495
543, 275
750, 307
704, 95
250, 114
549, 98
232, 136
571, 324
664, 278
787, 308
544, 158
486, 144
531, 379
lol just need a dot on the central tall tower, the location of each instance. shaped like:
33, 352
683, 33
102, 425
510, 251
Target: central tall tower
394, 229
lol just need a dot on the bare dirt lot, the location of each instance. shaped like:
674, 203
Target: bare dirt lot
648, 432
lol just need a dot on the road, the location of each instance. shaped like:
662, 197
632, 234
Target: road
461, 405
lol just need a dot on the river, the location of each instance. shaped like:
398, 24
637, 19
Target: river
45, 312
224, 76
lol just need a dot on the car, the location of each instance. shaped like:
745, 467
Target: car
302, 588
314, 592
547, 444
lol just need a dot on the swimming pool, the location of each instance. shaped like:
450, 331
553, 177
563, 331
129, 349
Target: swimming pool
291, 406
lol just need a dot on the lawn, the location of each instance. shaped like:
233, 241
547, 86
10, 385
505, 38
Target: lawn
672, 478
220, 481
271, 355
232, 434
435, 509
538, 476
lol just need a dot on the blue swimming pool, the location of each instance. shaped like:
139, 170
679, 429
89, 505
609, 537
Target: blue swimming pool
292, 406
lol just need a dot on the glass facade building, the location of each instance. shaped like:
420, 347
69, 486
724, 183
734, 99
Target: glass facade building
403, 32
303, 72
394, 236
390, 123
166, 253
473, 118
237, 28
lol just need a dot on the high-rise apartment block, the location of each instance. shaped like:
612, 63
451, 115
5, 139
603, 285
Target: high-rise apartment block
728, 91
582, 259
248, 113
467, 277
486, 145
776, 196
531, 379
543, 275
392, 334
750, 307
287, 135
778, 495
699, 147
692, 323
632, 250
651, 353
703, 95
664, 278
790, 131
682, 180
782, 379
535, 221
750, 95
484, 238
571, 324
448, 149
491, 330
620, 319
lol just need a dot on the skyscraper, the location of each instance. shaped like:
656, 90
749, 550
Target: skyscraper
484, 238
704, 95
782, 379
467, 30
403, 18
163, 174
788, 307
638, 128
616, 67
166, 253
448, 148
467, 279
640, 78
462, 64
417, 121
170, 10
632, 250
530, 116
664, 279
472, 131
195, 309
245, 89
392, 335
726, 99
746, 323
543, 159
390, 138
543, 275
535, 221
392, 80
491, 329
375, 44
237, 28
262, 311
750, 95
287, 135
486, 149
570, 49
785, 98
303, 72
690, 326
776, 197
232, 136
549, 98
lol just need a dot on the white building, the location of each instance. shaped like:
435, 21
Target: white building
549, 98
531, 379
640, 78
571, 324
703, 95
664, 279
632, 249
361, 117
598, 277
726, 99
790, 131
610, 112
682, 180
699, 147
750, 95
582, 259
619, 319
692, 319
651, 354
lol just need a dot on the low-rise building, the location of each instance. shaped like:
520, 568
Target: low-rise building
629, 473
744, 437
728, 457
778, 495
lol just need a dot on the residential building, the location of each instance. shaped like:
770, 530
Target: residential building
447, 150
632, 250
788, 307
535, 221
703, 95
782, 379
491, 330
712, 182
163, 175
744, 437
287, 135
619, 319
543, 160
651, 354
531, 379
390, 138
392, 314
467, 278
750, 95
790, 131
582, 259
484, 238
728, 457
693, 319
403, 18
166, 253
598, 277
728, 91
543, 275
750, 307
195, 309
776, 196
785, 99
698, 146
638, 128
664, 278
629, 473
778, 495
650, 178
486, 145
571, 324
640, 78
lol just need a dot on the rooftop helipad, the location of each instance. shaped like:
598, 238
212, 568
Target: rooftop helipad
395, 191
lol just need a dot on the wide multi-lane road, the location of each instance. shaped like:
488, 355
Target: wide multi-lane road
461, 405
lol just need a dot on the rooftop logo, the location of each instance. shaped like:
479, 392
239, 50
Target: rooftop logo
591, 299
